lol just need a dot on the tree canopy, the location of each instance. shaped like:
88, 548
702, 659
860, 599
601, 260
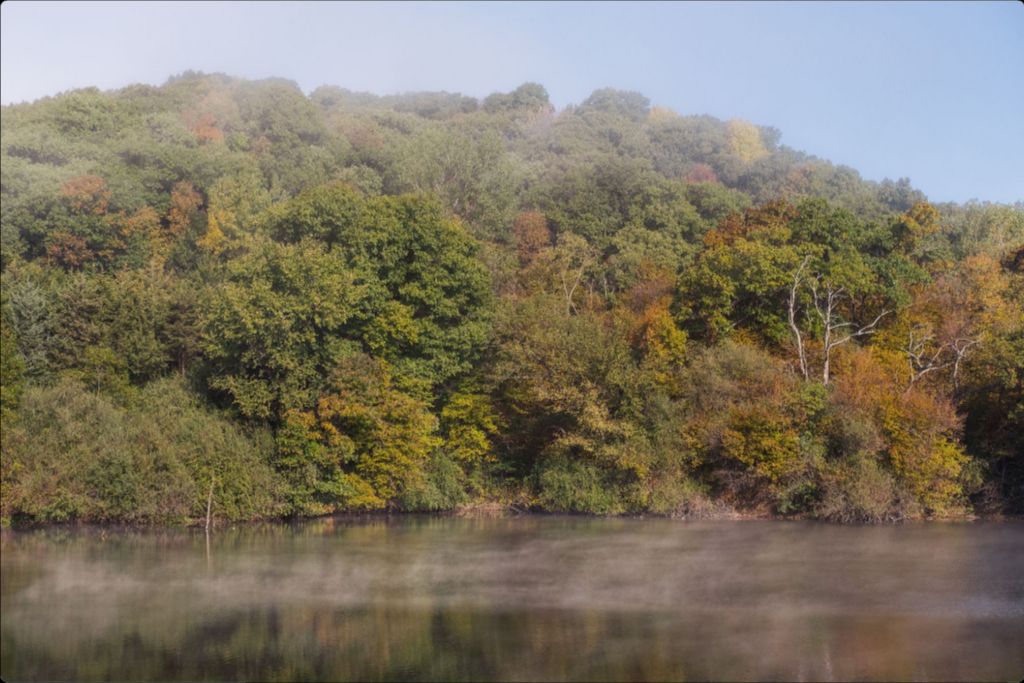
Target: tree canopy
344, 301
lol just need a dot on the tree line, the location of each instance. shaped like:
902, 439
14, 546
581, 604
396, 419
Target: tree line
333, 302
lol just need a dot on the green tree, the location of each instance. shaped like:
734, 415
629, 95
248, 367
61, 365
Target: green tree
426, 302
274, 328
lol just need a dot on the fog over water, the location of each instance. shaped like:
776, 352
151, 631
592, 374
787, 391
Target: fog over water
548, 598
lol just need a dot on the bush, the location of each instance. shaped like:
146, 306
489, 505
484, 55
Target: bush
571, 486
76, 456
442, 487
678, 496
857, 489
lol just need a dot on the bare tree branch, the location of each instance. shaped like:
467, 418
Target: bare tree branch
792, 318
826, 305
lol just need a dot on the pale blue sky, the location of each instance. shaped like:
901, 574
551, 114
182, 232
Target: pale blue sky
929, 90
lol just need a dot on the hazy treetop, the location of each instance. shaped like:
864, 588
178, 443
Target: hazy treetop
932, 91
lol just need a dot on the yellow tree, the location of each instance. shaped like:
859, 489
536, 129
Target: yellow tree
372, 440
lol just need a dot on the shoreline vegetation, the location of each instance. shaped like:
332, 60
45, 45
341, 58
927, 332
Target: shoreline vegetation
494, 511
228, 295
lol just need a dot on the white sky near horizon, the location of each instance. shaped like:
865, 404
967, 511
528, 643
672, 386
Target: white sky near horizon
933, 91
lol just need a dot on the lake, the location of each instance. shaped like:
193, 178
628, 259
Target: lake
524, 598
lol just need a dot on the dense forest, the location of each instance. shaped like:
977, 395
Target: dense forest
227, 292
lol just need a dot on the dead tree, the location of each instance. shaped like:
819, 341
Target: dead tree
801, 354
570, 290
836, 331
923, 360
825, 305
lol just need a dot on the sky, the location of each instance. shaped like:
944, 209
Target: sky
933, 91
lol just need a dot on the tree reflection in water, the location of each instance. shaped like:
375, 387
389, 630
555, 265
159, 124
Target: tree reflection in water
550, 598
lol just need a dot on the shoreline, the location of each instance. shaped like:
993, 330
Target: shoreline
482, 512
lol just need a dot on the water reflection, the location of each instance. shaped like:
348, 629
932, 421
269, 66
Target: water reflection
549, 598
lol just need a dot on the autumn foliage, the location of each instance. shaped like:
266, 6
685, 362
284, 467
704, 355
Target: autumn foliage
341, 301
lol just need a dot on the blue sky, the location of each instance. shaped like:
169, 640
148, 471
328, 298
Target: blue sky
933, 91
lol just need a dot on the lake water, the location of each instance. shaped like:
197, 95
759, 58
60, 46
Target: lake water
529, 598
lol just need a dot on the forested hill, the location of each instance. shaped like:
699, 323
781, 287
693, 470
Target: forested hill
301, 305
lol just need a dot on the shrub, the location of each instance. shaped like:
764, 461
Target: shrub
442, 487
76, 456
571, 486
858, 489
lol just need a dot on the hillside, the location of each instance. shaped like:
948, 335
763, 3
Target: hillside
298, 305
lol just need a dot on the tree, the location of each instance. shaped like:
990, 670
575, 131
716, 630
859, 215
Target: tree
234, 204
427, 296
827, 298
532, 235
579, 408
468, 424
627, 104
471, 173
185, 204
953, 315
372, 441
12, 370
277, 325
87, 195
739, 279
914, 432
745, 140
29, 309
529, 97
